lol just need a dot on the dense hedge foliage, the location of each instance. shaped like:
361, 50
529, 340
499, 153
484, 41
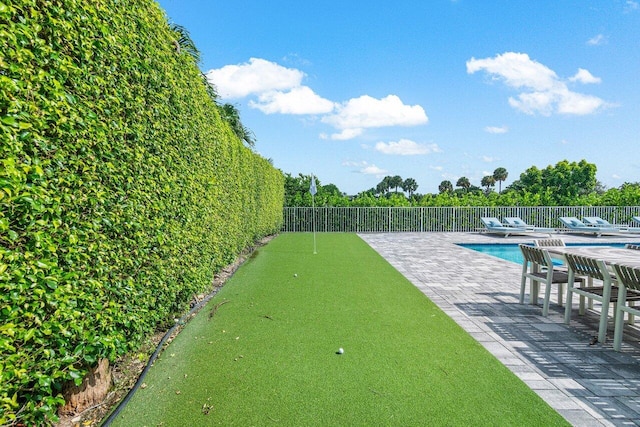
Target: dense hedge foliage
121, 190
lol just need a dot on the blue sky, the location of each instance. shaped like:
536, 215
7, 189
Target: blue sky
352, 91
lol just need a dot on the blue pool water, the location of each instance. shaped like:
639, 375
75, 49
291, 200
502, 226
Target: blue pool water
511, 251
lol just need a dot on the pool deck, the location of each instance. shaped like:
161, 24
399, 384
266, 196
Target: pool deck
590, 385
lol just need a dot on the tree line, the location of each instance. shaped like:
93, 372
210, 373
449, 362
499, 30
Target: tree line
488, 182
563, 184
409, 185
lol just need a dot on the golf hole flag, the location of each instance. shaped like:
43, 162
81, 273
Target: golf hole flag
313, 189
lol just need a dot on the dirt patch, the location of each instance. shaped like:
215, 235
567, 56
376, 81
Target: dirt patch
126, 370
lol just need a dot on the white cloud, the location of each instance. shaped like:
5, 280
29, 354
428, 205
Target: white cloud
351, 163
541, 90
517, 70
255, 77
436, 168
294, 58
299, 100
534, 102
496, 129
373, 170
406, 147
597, 40
631, 5
342, 136
584, 76
577, 103
488, 159
365, 168
368, 112
279, 90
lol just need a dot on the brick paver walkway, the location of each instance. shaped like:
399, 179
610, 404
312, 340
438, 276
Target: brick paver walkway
590, 385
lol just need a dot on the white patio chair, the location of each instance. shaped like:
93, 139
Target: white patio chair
606, 292
541, 243
538, 268
548, 242
628, 290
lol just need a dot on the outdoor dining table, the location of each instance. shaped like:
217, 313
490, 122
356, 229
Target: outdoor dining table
610, 255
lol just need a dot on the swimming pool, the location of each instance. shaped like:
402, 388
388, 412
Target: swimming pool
511, 251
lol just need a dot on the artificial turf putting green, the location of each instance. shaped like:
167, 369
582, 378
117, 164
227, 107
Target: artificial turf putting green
268, 356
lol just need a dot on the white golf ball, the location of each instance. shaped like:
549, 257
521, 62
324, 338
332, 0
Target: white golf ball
340, 350
295, 275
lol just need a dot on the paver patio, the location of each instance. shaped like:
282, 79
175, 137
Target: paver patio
590, 385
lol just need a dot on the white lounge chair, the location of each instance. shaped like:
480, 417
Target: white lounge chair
634, 227
596, 221
514, 221
599, 222
494, 226
574, 224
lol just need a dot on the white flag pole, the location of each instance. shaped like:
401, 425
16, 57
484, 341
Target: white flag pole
313, 190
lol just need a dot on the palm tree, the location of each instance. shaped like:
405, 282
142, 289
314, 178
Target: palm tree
464, 183
228, 112
500, 174
410, 186
231, 115
184, 42
384, 185
445, 187
488, 181
211, 88
396, 182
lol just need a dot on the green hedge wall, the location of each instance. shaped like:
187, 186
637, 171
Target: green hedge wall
121, 190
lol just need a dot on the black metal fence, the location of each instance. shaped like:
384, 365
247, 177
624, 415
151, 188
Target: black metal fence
422, 219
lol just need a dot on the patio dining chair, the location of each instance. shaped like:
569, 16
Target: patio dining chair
548, 242
604, 291
538, 268
541, 243
628, 290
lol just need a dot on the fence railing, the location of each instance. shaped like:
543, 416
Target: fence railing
421, 219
